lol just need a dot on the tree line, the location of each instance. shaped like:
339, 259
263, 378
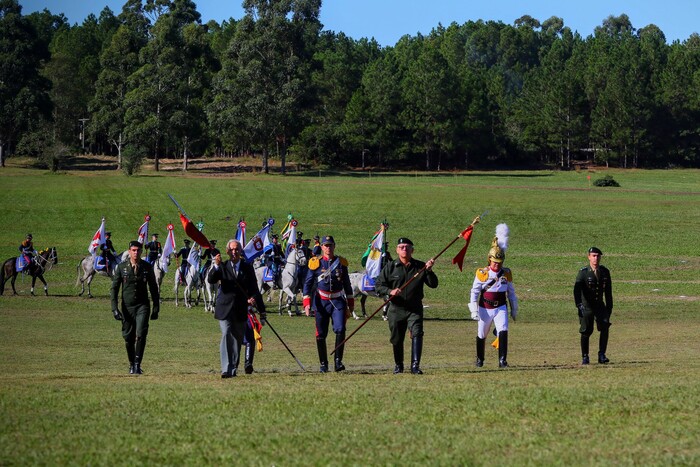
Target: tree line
154, 82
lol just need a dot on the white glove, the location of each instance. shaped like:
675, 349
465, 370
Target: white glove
474, 309
513, 313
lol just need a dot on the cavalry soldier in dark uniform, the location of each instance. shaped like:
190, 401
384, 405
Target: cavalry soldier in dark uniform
406, 308
26, 248
328, 290
135, 277
108, 250
274, 257
208, 255
594, 300
182, 254
154, 249
316, 251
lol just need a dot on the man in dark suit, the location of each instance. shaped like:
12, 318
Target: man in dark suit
237, 290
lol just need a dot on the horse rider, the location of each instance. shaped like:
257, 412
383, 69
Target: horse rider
184, 253
154, 249
26, 248
108, 250
316, 251
274, 257
207, 256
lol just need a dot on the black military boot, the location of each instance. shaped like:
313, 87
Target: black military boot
339, 351
416, 351
130, 353
502, 349
603, 347
585, 359
249, 355
480, 350
398, 358
322, 354
137, 365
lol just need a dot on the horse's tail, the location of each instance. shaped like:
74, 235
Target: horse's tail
2, 279
80, 273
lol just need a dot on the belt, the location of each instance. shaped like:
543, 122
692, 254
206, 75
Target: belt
329, 295
497, 299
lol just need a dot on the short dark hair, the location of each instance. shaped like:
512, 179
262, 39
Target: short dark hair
135, 243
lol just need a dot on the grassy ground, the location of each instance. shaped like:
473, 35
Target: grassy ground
65, 397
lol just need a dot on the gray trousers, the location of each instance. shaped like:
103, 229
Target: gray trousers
230, 349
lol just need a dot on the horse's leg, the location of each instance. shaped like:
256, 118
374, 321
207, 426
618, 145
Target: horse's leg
89, 281
46, 286
363, 299
14, 278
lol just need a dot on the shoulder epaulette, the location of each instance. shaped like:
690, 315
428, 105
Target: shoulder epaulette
508, 273
482, 274
343, 261
314, 263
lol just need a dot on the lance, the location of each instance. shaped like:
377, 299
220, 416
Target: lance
414, 277
179, 208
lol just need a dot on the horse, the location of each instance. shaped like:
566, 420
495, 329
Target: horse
287, 281
159, 271
356, 279
86, 271
210, 291
191, 281
43, 262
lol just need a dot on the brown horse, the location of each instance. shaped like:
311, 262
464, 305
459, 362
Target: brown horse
42, 263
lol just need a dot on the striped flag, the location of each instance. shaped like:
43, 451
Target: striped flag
168, 248
372, 259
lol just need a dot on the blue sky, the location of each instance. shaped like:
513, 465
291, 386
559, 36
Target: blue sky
388, 20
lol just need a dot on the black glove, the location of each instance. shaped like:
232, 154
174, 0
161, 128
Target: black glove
579, 307
154, 313
118, 316
263, 316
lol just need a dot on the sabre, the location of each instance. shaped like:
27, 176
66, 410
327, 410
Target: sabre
474, 222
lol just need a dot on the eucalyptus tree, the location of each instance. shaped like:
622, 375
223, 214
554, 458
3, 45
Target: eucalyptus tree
24, 98
264, 75
164, 105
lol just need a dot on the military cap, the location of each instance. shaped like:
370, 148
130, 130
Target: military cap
29, 236
275, 236
328, 240
135, 243
213, 242
154, 235
404, 240
108, 233
595, 250
187, 242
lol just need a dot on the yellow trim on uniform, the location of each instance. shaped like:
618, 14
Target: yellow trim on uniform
314, 263
343, 261
508, 274
482, 274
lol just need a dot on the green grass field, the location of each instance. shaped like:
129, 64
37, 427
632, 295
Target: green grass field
65, 397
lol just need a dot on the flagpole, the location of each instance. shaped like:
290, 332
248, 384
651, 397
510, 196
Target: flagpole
391, 297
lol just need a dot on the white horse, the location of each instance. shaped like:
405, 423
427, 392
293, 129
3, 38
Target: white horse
356, 279
192, 281
159, 272
86, 271
287, 282
210, 291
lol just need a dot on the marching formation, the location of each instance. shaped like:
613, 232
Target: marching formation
286, 262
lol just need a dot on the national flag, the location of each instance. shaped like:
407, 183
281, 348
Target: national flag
372, 259
194, 256
192, 231
142, 235
168, 248
240, 232
285, 233
98, 239
466, 235
257, 328
259, 244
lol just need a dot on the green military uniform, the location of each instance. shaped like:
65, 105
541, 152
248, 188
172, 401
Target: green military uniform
594, 300
405, 309
135, 307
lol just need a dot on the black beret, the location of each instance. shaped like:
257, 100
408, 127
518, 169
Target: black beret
594, 250
403, 240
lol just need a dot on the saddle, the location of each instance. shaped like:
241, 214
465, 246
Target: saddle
367, 283
22, 263
268, 275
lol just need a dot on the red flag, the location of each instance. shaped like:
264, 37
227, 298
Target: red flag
192, 232
467, 235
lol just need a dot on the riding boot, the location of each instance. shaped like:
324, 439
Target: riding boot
502, 349
131, 354
340, 337
603, 346
398, 358
585, 359
249, 355
322, 354
416, 351
480, 350
140, 349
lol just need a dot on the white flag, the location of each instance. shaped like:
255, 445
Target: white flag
258, 244
193, 258
98, 239
168, 248
143, 231
292, 237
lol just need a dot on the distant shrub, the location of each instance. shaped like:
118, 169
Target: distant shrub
606, 181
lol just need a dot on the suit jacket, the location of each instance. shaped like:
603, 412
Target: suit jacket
232, 299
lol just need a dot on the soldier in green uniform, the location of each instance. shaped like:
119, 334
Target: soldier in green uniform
594, 300
135, 277
406, 306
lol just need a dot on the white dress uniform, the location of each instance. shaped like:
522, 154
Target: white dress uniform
491, 305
